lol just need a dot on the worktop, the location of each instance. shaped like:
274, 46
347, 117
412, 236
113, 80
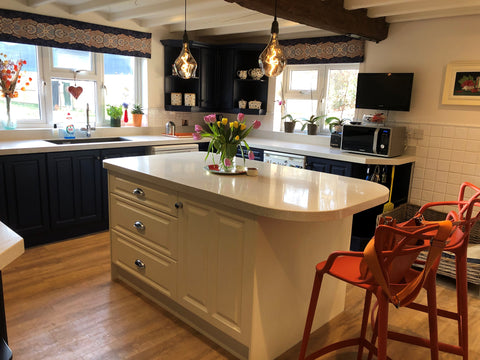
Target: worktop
316, 146
279, 192
232, 255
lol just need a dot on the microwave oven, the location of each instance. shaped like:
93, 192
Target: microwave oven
386, 141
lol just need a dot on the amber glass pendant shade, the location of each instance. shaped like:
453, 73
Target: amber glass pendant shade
272, 60
185, 64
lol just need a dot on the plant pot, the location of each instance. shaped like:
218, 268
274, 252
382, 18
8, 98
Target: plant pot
312, 129
338, 128
137, 119
115, 122
289, 126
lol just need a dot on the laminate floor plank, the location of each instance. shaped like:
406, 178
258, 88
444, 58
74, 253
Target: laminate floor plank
61, 304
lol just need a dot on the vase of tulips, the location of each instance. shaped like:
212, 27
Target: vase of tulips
226, 138
10, 76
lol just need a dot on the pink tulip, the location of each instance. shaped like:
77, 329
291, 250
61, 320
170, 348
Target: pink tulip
251, 156
196, 136
198, 128
227, 162
210, 118
256, 124
240, 116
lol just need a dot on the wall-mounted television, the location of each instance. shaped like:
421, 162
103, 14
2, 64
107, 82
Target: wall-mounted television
384, 91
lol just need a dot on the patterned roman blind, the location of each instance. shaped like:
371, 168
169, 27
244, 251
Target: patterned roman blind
27, 28
321, 50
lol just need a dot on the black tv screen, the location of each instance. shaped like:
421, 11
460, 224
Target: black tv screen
384, 91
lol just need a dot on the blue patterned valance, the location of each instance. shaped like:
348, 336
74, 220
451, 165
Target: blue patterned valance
27, 28
321, 50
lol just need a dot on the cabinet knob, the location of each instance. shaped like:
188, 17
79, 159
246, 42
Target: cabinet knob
178, 205
138, 192
139, 264
139, 226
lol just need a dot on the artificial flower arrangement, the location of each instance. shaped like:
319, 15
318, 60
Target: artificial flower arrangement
10, 76
226, 137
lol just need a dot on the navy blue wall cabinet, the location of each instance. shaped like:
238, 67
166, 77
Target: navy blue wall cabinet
216, 87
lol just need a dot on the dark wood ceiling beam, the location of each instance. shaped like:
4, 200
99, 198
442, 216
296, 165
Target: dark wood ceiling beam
323, 14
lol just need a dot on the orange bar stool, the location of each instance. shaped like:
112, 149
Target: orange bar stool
467, 209
384, 270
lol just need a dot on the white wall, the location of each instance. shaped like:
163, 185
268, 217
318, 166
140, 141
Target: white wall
448, 153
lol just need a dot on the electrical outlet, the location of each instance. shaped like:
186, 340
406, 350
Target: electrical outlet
185, 123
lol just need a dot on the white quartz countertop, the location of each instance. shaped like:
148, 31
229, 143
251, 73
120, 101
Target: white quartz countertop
278, 192
296, 145
36, 146
325, 151
11, 245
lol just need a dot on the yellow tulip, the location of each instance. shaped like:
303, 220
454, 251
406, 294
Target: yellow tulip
235, 124
243, 126
218, 123
237, 138
224, 121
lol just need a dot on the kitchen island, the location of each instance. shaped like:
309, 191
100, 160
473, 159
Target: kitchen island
232, 255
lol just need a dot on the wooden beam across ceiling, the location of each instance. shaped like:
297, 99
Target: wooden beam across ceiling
323, 14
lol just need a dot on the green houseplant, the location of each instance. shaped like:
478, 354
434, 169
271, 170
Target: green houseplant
334, 124
289, 123
115, 113
137, 114
312, 124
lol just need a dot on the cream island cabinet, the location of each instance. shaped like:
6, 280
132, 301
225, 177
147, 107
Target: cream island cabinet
232, 255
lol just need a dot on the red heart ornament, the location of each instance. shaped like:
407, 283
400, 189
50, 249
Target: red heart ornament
76, 91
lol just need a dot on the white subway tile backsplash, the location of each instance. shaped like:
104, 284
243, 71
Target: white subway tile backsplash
436, 131
431, 164
446, 157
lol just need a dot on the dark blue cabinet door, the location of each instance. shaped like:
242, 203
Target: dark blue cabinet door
75, 188
26, 192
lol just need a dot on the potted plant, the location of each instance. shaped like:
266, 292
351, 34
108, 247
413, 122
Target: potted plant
312, 124
289, 124
137, 114
115, 113
334, 124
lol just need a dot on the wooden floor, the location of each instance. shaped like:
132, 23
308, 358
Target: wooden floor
61, 304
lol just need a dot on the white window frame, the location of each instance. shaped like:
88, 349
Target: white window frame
46, 72
322, 86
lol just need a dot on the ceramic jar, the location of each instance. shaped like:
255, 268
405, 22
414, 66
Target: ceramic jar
255, 74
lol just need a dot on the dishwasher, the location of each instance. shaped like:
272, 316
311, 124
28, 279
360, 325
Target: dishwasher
285, 159
178, 148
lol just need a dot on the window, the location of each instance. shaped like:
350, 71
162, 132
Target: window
99, 79
314, 90
25, 108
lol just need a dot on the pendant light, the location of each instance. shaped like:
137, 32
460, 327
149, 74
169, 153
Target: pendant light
185, 65
272, 60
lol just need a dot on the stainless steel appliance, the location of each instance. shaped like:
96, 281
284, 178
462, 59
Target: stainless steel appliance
285, 159
386, 141
170, 128
173, 148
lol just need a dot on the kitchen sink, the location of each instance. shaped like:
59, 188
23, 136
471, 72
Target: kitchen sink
86, 140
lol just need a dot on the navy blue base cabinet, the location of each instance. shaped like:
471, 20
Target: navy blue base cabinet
55, 196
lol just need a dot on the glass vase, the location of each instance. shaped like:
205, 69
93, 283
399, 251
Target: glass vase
9, 122
228, 164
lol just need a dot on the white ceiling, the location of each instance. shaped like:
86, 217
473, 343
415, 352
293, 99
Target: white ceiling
220, 19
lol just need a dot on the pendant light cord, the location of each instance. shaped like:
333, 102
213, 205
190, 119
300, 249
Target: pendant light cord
186, 15
275, 14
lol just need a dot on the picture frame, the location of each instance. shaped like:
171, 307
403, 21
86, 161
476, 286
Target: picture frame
462, 83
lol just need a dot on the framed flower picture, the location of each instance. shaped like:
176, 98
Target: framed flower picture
462, 83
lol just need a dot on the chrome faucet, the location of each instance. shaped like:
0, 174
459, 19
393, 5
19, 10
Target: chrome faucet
88, 129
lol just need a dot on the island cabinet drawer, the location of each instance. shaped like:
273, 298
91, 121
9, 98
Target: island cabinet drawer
152, 269
152, 228
160, 199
